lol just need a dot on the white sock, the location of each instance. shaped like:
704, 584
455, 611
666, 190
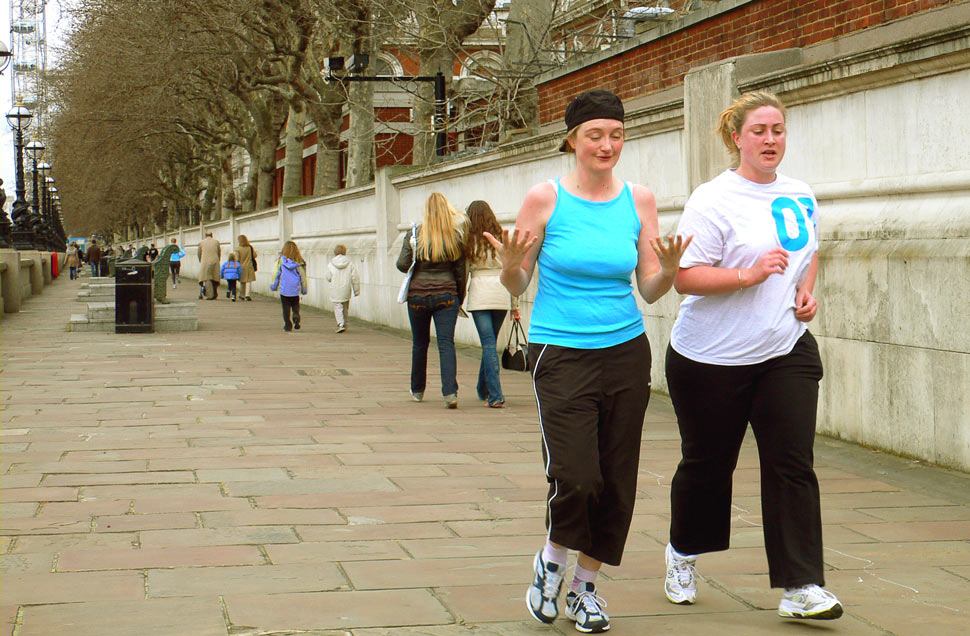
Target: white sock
582, 575
554, 554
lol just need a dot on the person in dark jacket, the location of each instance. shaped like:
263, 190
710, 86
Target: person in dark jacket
435, 291
94, 258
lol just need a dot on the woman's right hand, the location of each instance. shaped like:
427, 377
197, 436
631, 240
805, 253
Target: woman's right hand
774, 261
513, 247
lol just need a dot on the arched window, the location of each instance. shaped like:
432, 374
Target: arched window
485, 64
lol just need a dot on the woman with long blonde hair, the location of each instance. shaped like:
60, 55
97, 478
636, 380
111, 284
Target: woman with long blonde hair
432, 252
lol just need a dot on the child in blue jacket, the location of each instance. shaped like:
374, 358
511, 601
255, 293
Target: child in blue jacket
290, 279
231, 271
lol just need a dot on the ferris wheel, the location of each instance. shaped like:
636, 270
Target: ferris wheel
28, 44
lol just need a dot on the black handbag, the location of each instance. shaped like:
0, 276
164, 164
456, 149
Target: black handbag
516, 354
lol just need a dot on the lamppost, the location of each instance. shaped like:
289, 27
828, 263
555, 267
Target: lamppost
23, 238
337, 69
46, 182
5, 225
36, 150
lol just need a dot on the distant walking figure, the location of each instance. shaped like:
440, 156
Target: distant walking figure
210, 254
290, 279
344, 280
247, 259
435, 292
740, 352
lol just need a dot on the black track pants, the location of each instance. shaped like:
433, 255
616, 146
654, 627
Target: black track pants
714, 404
591, 406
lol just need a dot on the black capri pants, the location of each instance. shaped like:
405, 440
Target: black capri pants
714, 404
591, 406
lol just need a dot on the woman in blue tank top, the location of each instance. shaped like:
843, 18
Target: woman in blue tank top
589, 232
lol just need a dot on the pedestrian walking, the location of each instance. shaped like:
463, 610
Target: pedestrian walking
247, 258
432, 254
210, 255
588, 232
344, 280
93, 258
175, 264
290, 278
487, 299
152, 253
741, 352
73, 260
231, 271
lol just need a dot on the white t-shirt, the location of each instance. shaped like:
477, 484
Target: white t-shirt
734, 221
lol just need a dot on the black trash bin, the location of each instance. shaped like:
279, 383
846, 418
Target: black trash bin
134, 311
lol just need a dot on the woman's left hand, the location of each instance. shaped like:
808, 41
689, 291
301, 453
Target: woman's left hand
516, 315
669, 254
805, 305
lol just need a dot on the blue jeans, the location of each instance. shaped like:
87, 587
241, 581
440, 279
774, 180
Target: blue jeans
94, 268
489, 322
443, 309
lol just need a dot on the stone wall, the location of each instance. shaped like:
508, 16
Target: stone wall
879, 130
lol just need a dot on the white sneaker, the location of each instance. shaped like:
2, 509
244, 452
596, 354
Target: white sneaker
542, 597
586, 608
809, 601
681, 584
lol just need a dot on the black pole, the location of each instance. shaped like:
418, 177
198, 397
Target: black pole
23, 236
441, 136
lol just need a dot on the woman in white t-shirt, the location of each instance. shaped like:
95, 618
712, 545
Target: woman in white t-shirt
740, 352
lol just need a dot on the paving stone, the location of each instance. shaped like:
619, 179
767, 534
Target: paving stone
249, 535
435, 572
251, 579
336, 610
148, 617
335, 551
62, 542
129, 523
11, 564
72, 587
369, 532
139, 559
266, 517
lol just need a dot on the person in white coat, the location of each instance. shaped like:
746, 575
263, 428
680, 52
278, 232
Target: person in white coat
344, 279
487, 299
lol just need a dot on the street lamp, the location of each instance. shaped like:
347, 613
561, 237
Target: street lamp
19, 120
36, 150
46, 182
5, 56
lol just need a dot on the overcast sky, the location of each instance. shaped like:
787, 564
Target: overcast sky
56, 27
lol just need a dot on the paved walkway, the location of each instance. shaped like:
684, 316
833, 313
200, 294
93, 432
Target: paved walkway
240, 480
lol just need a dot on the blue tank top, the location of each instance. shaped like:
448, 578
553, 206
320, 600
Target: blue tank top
589, 252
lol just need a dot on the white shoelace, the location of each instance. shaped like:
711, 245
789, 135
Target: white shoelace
684, 570
591, 602
551, 587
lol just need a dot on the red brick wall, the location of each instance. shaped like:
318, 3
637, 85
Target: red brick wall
768, 25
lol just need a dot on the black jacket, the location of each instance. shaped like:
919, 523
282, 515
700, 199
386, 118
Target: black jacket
430, 270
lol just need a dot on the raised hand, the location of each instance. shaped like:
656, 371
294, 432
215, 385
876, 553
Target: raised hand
669, 255
513, 247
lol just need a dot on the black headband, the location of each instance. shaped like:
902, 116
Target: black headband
594, 104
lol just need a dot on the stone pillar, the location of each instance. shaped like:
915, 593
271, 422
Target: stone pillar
707, 91
285, 223
11, 285
36, 272
47, 270
388, 215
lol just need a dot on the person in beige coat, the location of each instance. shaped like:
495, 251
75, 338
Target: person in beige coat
247, 258
210, 256
344, 280
487, 298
